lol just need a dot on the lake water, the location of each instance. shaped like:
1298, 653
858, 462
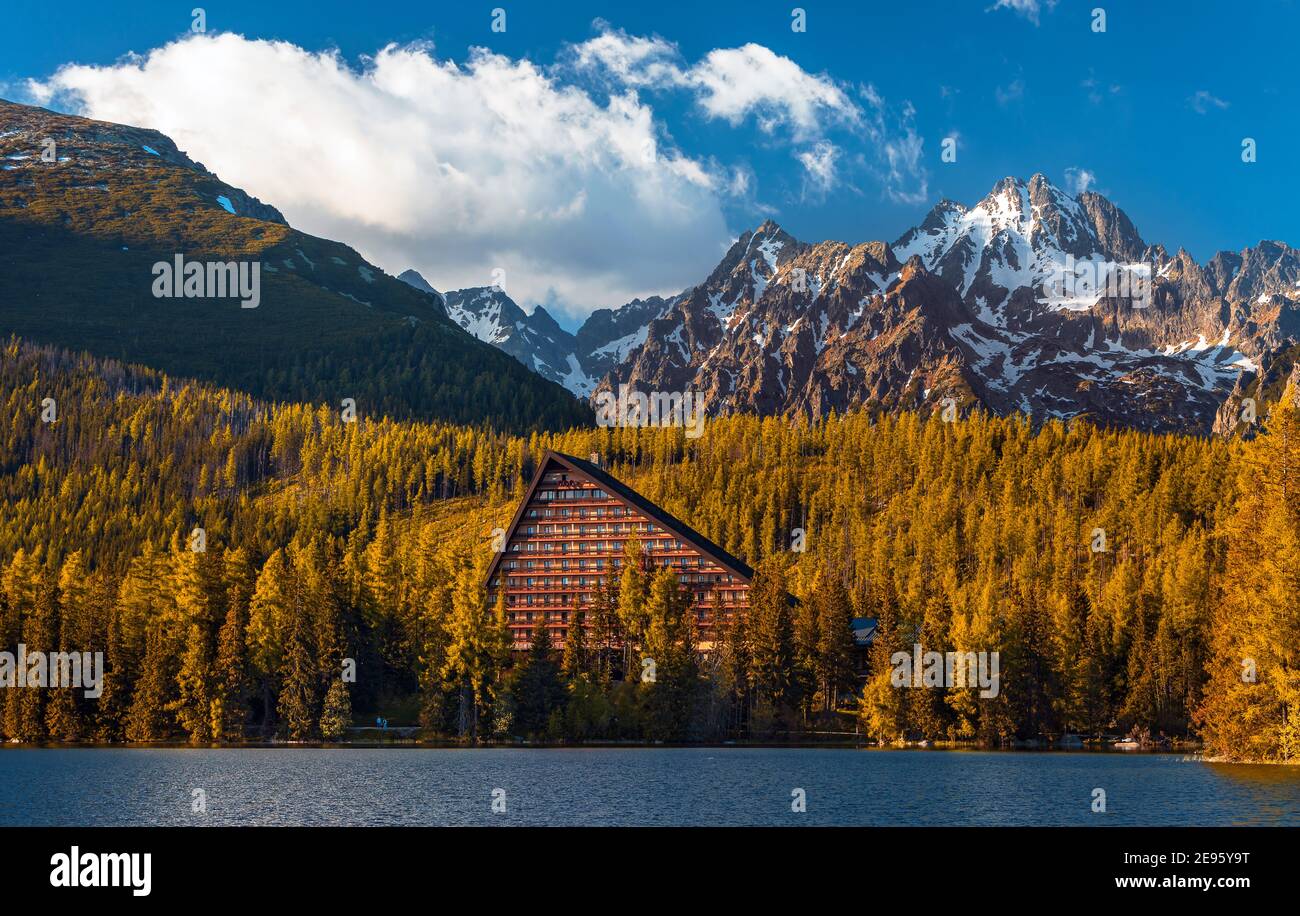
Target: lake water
632, 786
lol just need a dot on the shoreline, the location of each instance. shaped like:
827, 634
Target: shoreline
453, 744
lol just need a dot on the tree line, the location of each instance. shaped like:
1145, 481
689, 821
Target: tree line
1128, 580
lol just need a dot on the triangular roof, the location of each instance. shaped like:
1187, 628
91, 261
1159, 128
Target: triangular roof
620, 490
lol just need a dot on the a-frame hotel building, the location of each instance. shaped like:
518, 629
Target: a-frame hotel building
569, 532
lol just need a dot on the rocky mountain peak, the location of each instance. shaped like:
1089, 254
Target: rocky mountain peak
415, 279
1013, 304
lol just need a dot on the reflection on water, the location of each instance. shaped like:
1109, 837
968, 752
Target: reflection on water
656, 786
1273, 789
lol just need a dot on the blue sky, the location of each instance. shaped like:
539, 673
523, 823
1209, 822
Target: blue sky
1152, 113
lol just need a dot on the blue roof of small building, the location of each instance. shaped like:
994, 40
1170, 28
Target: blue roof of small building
864, 630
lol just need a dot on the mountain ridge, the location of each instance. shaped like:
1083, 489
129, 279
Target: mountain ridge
971, 305
83, 234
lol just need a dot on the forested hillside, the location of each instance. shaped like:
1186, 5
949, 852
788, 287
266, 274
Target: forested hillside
1123, 577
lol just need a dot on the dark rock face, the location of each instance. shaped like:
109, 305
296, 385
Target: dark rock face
413, 278
576, 361
535, 340
1031, 301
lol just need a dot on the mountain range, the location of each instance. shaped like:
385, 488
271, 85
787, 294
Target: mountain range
576, 361
1032, 300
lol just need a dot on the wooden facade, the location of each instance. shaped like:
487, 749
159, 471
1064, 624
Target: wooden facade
569, 532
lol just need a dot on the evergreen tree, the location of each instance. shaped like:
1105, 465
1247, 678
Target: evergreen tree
807, 636
1251, 708
882, 708
574, 663
299, 700
230, 678
835, 649
670, 640
732, 671
270, 620
147, 720
633, 585
193, 707
771, 638
473, 649
336, 717
608, 635
538, 690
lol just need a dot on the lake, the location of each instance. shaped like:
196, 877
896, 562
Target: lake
631, 786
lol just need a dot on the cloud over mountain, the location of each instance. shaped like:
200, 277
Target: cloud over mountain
458, 169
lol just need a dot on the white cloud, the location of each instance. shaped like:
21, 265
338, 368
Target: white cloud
633, 60
1011, 93
1204, 100
819, 163
785, 101
728, 84
732, 83
419, 162
1078, 180
1030, 9
901, 172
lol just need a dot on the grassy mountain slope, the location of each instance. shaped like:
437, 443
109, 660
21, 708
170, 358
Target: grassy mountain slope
79, 236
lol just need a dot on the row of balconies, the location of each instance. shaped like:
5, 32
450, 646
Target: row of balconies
580, 581
574, 544
521, 621
729, 601
616, 529
600, 564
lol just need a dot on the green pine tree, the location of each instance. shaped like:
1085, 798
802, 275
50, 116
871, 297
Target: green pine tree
336, 717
